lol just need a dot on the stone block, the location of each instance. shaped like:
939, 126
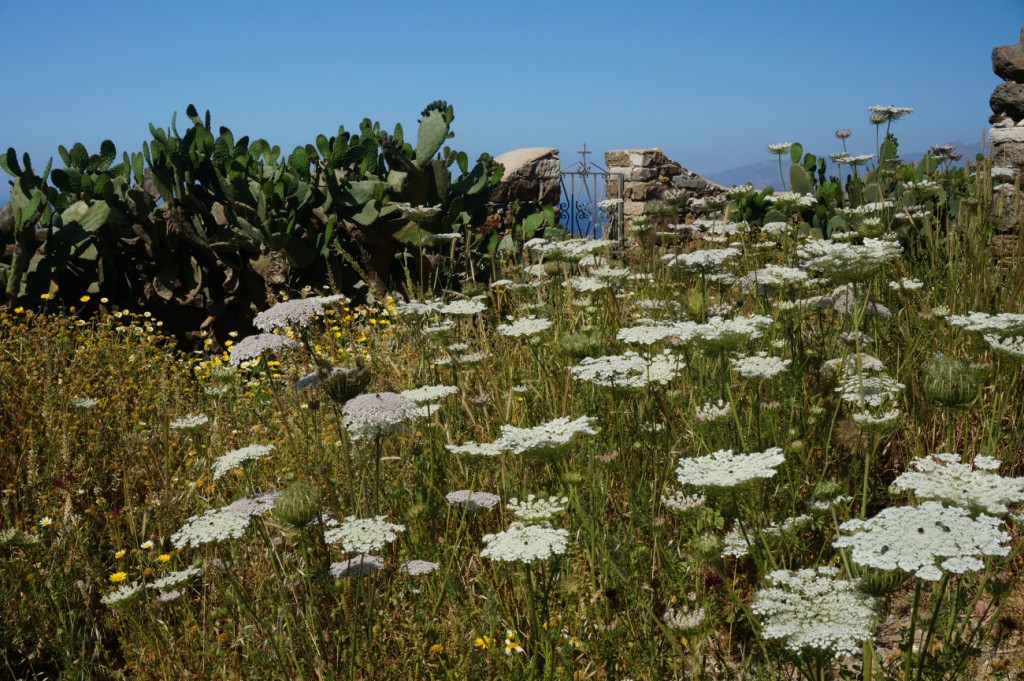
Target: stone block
1008, 99
689, 182
633, 207
1007, 147
1008, 209
618, 158
642, 157
1008, 62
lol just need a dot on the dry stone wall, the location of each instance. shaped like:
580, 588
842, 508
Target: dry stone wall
531, 174
653, 182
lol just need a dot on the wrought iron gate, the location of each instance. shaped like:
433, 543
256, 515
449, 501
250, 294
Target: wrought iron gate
591, 204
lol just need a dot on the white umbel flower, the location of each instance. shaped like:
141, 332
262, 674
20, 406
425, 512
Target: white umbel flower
924, 540
297, 312
527, 326
237, 457
727, 334
429, 393
190, 422
871, 391
122, 594
362, 535
175, 578
375, 414
1002, 324
472, 500
533, 508
713, 411
525, 543
252, 347
760, 366
463, 307
360, 566
628, 370
845, 262
725, 469
978, 487
212, 526
649, 334
813, 611
520, 440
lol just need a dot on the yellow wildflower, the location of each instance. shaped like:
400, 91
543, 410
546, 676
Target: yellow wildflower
118, 577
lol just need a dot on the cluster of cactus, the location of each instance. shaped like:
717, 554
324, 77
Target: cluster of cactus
200, 226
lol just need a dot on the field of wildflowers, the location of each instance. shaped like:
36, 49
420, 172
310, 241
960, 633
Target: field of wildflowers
730, 450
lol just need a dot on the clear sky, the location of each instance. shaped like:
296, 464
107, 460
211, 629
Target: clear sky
710, 82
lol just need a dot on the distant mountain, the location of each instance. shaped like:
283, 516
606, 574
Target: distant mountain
766, 172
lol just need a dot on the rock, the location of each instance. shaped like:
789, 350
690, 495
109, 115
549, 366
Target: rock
1007, 209
1008, 99
1007, 147
1008, 62
531, 174
1005, 245
1001, 121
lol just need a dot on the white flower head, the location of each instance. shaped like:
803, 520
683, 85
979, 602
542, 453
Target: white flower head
253, 347
760, 365
360, 566
375, 414
472, 500
924, 540
725, 469
429, 393
121, 594
628, 370
362, 535
463, 307
944, 477
713, 411
533, 508
527, 326
297, 312
190, 422
525, 543
237, 457
813, 611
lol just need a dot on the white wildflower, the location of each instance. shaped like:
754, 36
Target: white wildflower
812, 610
725, 469
429, 393
533, 509
628, 370
121, 594
175, 578
190, 422
681, 502
1011, 346
360, 566
924, 540
362, 535
1002, 324
519, 440
760, 366
525, 543
463, 307
297, 312
471, 500
376, 414
705, 261
527, 326
252, 347
945, 478
417, 568
713, 411
237, 457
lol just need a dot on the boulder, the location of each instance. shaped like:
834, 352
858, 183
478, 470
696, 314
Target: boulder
1007, 147
6, 219
531, 174
1008, 62
1008, 99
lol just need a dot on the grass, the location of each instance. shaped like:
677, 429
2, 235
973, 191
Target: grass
90, 492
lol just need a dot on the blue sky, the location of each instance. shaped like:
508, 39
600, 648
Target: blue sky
712, 83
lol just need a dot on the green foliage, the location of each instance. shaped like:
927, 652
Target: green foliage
200, 224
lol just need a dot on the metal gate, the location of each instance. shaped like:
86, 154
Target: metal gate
591, 204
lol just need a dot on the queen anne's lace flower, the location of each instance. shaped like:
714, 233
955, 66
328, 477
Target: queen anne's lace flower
175, 578
681, 502
773, 275
429, 393
569, 249
713, 411
212, 526
629, 370
725, 469
360, 566
375, 414
362, 535
924, 540
525, 543
463, 307
759, 366
727, 334
710, 260
252, 347
650, 334
1002, 324
416, 568
791, 197
812, 611
844, 262
871, 391
978, 487
190, 422
533, 509
1011, 346
122, 594
237, 457
519, 440
297, 312
527, 326
472, 500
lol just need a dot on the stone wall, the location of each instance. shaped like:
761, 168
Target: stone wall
650, 176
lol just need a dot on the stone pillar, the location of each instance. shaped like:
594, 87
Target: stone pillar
649, 175
531, 174
1007, 138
